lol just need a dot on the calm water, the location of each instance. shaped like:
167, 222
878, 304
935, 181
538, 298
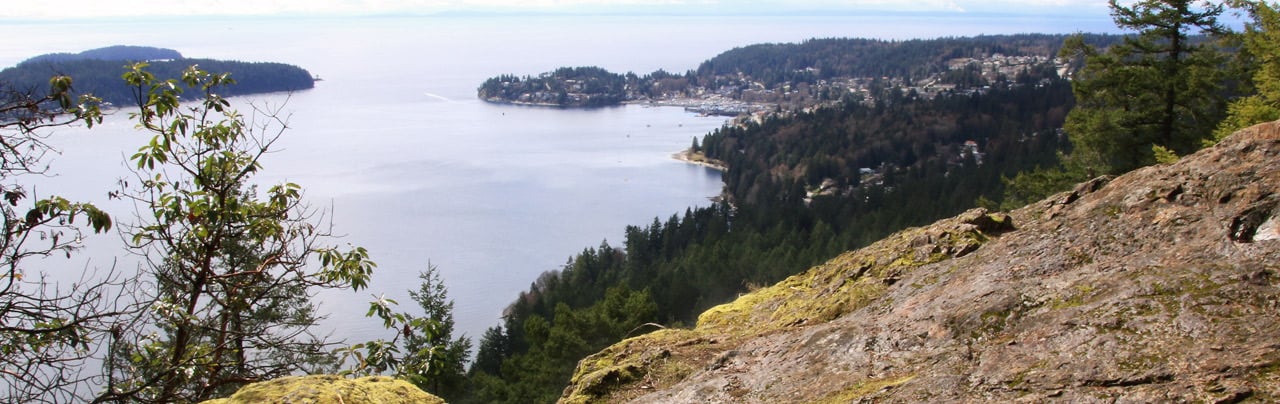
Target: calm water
407, 163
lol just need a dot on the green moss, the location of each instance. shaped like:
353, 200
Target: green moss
851, 281
1170, 293
329, 389
1002, 220
1113, 211
1020, 380
1082, 291
645, 358
993, 322
860, 390
601, 381
1139, 362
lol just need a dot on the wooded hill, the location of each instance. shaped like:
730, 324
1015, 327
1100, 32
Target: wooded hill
98, 72
791, 75
831, 58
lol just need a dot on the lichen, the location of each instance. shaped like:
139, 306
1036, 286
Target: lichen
644, 359
329, 389
1074, 300
860, 390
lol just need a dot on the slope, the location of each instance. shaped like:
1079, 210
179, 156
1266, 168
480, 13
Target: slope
1159, 285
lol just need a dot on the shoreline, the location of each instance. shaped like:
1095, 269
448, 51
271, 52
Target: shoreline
688, 156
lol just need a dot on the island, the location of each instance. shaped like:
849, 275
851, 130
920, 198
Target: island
98, 71
565, 87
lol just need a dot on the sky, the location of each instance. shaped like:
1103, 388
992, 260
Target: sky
27, 10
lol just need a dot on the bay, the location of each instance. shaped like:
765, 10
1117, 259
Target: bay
394, 148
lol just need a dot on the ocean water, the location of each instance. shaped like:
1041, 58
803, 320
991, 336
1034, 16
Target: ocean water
402, 159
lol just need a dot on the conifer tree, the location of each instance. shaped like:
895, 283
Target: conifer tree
1159, 89
443, 372
1262, 51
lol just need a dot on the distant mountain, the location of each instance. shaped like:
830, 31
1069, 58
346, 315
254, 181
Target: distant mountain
124, 53
98, 72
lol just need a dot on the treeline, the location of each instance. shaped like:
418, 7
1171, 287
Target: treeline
828, 58
118, 52
774, 221
99, 74
811, 72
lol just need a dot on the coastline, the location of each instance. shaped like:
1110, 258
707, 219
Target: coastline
691, 157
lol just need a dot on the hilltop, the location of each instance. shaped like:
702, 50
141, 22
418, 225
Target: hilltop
114, 53
98, 71
1158, 285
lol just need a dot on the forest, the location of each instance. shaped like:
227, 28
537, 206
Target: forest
98, 72
830, 58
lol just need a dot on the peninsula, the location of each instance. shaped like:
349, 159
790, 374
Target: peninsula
768, 78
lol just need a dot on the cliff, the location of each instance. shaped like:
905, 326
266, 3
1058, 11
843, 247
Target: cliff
1159, 285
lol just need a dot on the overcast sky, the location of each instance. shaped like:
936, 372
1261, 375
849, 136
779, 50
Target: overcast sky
43, 10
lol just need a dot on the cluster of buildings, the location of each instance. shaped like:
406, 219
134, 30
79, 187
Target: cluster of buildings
740, 95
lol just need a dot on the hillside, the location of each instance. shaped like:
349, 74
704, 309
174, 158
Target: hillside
98, 71
114, 53
1158, 285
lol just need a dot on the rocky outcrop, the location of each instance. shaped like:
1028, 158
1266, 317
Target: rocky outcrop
328, 389
1159, 285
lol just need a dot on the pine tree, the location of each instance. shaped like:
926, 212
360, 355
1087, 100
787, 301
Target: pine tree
1262, 49
443, 372
1159, 88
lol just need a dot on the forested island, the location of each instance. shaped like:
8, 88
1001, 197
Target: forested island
98, 71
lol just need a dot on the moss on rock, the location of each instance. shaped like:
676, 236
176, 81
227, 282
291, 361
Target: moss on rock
330, 389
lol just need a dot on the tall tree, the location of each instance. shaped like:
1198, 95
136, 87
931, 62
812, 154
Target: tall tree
443, 372
1159, 89
422, 350
220, 255
1262, 55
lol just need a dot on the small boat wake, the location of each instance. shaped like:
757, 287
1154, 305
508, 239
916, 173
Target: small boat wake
438, 97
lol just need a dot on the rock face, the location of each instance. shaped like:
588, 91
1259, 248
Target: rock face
1160, 285
328, 389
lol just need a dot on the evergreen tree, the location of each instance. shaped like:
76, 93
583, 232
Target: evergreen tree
443, 372
1262, 51
1160, 88
493, 348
